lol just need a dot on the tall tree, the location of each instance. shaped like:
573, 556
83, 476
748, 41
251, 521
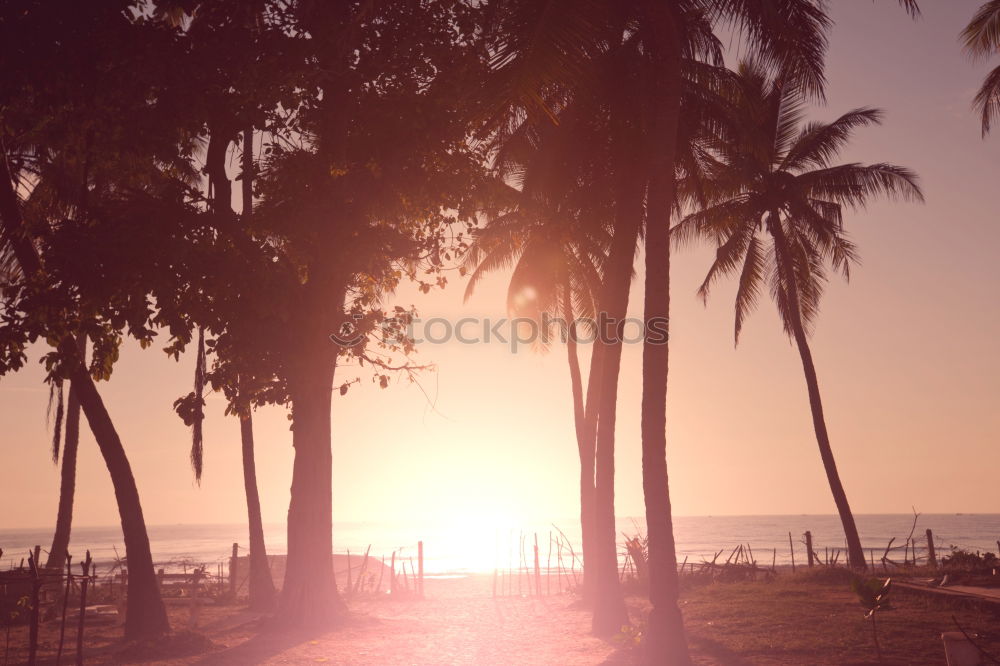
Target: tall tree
774, 203
787, 36
67, 475
548, 56
75, 96
261, 588
146, 616
546, 227
354, 207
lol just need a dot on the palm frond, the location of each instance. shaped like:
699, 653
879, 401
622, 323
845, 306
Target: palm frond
987, 100
56, 406
818, 143
981, 37
822, 222
786, 36
753, 273
855, 184
912, 7
499, 258
728, 257
538, 45
716, 223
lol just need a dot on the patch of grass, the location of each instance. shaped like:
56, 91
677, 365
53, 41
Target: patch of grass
833, 576
178, 644
815, 618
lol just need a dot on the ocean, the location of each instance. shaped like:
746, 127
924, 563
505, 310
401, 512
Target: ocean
464, 549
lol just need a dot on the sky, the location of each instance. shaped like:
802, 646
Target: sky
906, 356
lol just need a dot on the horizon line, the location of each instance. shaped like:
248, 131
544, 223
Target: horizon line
621, 517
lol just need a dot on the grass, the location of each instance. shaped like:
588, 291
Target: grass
814, 617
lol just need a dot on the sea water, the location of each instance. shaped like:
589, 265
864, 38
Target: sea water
479, 548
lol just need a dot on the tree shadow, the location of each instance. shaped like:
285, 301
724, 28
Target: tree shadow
714, 649
269, 642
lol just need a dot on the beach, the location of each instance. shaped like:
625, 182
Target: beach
458, 622
810, 617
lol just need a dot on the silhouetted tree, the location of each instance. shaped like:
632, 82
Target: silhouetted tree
67, 475
69, 99
549, 223
772, 176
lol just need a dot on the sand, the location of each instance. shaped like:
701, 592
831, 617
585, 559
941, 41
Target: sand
457, 623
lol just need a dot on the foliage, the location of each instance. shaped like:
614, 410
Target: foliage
964, 560
629, 638
773, 199
873, 593
981, 38
350, 191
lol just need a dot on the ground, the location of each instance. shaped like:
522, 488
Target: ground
802, 620
791, 620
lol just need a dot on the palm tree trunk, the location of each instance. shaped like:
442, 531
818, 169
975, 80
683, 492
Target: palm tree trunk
261, 586
855, 553
67, 485
610, 613
262, 593
584, 440
665, 640
146, 616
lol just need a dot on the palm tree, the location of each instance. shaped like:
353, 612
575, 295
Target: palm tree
55, 182
982, 40
551, 52
261, 588
790, 37
556, 253
147, 615
774, 205
67, 484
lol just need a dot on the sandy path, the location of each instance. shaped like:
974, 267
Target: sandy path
458, 623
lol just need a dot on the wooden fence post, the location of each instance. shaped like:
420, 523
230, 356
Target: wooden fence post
420, 568
392, 575
36, 584
194, 606
62, 626
85, 566
359, 584
538, 570
809, 547
931, 555
548, 568
381, 572
347, 591
559, 563
233, 570
791, 549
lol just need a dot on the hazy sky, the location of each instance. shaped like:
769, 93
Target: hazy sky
906, 356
